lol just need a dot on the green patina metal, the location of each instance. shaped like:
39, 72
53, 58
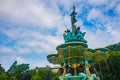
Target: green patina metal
75, 53
75, 34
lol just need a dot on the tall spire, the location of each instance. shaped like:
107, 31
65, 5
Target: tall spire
75, 34
73, 16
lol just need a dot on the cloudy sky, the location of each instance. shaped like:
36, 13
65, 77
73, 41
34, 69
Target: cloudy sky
31, 29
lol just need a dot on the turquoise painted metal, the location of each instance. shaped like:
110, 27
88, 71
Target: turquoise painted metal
74, 56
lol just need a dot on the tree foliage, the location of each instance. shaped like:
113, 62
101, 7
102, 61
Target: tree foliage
17, 71
37, 77
114, 47
3, 76
110, 69
2, 70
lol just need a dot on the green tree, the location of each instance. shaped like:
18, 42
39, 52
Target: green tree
37, 77
2, 70
41, 73
17, 71
13, 66
110, 70
114, 47
3, 76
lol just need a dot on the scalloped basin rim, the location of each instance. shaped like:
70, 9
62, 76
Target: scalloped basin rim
101, 49
91, 50
50, 55
106, 49
72, 44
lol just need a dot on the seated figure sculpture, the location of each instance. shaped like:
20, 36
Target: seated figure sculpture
61, 72
80, 35
92, 71
67, 35
69, 71
80, 71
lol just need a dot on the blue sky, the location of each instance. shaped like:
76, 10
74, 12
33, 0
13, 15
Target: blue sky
31, 29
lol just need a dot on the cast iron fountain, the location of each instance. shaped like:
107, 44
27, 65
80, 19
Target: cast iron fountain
76, 59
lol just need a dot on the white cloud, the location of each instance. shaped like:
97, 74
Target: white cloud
5, 50
24, 50
93, 14
102, 38
114, 33
96, 2
112, 4
106, 27
40, 44
6, 61
20, 60
29, 11
94, 39
118, 9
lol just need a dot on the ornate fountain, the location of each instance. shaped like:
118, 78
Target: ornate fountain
76, 59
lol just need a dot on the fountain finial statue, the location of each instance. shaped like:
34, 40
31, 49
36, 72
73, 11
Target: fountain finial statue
73, 16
